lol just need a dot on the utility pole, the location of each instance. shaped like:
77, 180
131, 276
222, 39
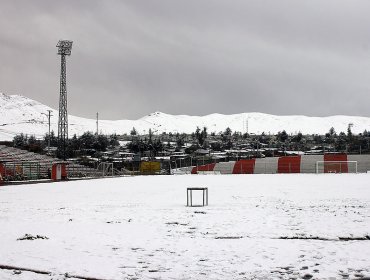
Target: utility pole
64, 48
245, 124
48, 116
97, 123
349, 133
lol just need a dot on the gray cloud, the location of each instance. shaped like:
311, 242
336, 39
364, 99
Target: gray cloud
131, 58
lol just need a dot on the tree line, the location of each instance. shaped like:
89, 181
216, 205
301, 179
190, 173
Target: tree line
86, 144
93, 144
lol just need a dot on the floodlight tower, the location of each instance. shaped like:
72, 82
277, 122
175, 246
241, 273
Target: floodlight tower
64, 48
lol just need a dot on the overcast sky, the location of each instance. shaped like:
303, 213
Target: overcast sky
195, 57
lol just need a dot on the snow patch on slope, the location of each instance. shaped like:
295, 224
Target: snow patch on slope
21, 114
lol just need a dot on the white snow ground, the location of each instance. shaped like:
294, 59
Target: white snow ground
140, 228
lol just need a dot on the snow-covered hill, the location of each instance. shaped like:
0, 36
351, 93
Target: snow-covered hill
21, 114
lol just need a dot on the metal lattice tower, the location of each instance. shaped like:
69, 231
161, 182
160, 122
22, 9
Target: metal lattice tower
64, 48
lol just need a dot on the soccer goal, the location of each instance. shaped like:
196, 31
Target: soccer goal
336, 166
106, 169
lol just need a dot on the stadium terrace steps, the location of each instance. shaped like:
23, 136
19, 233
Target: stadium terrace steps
13, 157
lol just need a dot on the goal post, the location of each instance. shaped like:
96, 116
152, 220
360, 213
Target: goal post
106, 169
348, 166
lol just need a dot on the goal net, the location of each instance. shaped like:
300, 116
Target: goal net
336, 167
106, 169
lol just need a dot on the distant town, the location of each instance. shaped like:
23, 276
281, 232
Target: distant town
198, 148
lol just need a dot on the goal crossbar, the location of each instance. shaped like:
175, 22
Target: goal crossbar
340, 162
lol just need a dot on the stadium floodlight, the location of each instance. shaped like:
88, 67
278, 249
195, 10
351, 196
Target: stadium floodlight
64, 47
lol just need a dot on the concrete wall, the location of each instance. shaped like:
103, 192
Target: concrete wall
225, 167
308, 163
363, 162
270, 165
266, 165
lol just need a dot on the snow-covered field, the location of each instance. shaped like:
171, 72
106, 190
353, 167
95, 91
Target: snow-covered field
140, 228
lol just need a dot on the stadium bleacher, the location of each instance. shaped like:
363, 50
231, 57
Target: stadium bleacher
23, 165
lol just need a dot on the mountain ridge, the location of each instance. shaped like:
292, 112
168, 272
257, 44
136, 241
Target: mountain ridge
20, 114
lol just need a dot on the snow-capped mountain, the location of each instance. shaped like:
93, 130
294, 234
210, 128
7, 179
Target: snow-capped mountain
19, 114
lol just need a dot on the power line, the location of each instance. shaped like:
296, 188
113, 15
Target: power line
48, 116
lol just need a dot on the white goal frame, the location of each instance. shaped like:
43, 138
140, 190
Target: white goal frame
335, 162
106, 168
